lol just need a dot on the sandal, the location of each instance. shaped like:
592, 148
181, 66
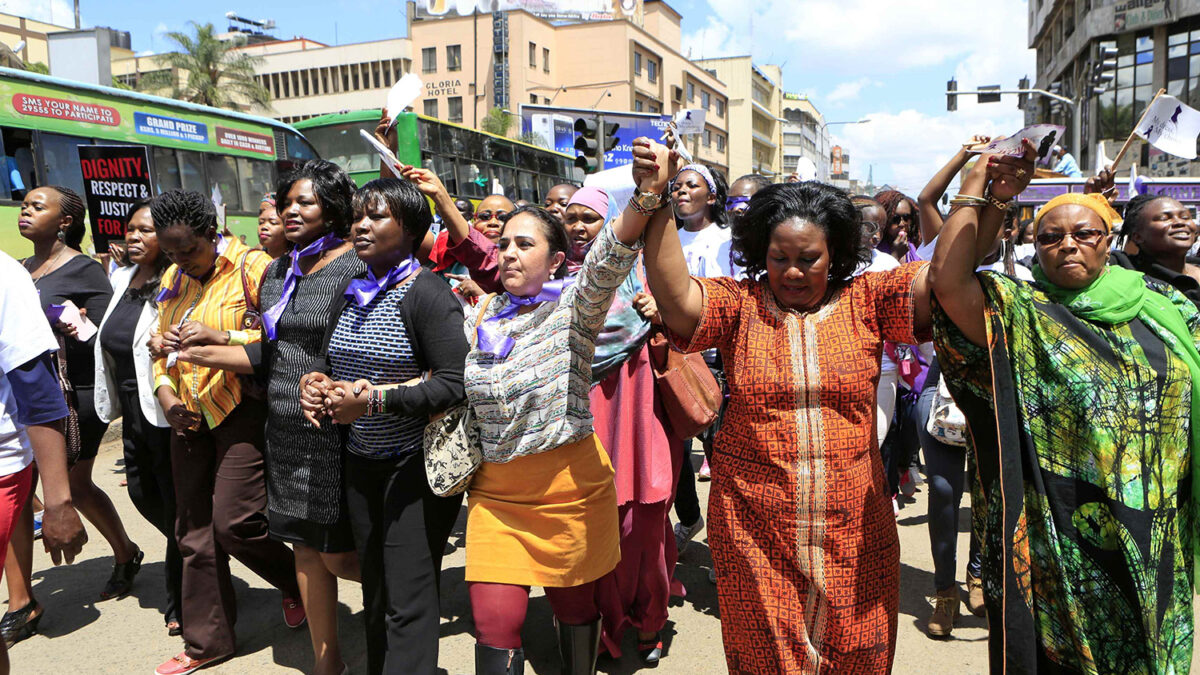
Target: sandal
16, 625
121, 581
650, 650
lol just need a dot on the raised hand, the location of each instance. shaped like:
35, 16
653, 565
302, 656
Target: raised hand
426, 181
652, 165
1009, 175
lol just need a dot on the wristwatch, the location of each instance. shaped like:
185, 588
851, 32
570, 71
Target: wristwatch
646, 203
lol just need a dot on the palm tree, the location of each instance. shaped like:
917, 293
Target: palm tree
217, 74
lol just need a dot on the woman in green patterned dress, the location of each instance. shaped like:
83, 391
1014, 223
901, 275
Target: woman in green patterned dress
1078, 393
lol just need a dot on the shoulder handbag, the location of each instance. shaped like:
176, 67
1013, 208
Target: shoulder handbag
690, 394
251, 320
946, 421
453, 452
74, 440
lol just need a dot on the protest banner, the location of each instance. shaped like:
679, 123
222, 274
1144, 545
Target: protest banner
114, 178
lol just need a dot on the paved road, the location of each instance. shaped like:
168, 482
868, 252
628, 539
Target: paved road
127, 635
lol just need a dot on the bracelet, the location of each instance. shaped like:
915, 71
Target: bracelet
374, 402
1001, 206
960, 198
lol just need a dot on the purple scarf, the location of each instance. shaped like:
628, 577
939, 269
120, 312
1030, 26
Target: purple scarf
491, 341
173, 290
363, 291
270, 318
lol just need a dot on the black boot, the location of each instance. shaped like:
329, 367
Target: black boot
495, 661
579, 646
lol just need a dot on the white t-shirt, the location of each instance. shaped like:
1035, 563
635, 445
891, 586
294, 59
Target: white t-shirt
709, 252
880, 262
24, 334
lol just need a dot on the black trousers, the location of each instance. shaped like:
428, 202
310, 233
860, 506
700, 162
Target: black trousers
151, 488
400, 530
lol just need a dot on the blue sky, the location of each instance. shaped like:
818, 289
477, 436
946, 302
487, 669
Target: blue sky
882, 60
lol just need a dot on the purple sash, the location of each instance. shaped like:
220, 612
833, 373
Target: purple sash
270, 318
491, 341
363, 291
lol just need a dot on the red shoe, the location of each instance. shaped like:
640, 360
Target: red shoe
182, 664
293, 613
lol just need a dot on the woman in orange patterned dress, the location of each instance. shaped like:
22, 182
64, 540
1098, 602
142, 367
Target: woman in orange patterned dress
800, 519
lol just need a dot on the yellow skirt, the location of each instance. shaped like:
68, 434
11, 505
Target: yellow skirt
545, 520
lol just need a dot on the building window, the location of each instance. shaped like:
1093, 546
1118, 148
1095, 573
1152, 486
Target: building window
532, 55
546, 59
720, 143
761, 95
707, 138
652, 70
637, 63
704, 100
653, 107
691, 91
545, 101
345, 77
453, 57
533, 99
1131, 91
304, 82
637, 106
431, 107
720, 108
454, 103
429, 59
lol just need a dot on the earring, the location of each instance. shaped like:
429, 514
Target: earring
62, 235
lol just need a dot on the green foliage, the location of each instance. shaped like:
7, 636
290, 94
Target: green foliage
497, 121
38, 67
208, 71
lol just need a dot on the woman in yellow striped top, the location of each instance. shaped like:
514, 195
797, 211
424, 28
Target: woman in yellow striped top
216, 450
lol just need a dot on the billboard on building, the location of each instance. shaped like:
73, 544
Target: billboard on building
1135, 14
836, 161
554, 129
568, 10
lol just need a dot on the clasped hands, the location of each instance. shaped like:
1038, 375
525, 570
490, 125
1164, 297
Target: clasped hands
342, 402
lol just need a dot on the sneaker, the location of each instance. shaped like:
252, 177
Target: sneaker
293, 613
945, 612
975, 596
684, 534
908, 482
182, 664
37, 524
705, 474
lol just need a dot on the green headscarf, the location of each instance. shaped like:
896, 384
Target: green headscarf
1117, 296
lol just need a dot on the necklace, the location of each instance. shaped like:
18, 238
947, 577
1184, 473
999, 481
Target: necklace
50, 263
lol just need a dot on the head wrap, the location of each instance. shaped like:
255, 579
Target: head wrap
1092, 200
704, 173
268, 198
593, 198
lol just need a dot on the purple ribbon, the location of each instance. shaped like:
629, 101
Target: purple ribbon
173, 290
270, 318
493, 342
363, 291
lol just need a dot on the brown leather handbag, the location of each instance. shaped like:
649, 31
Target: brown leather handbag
690, 394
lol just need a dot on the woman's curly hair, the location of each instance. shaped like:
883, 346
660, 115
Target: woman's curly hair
822, 205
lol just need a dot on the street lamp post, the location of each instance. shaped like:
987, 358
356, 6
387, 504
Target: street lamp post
826, 125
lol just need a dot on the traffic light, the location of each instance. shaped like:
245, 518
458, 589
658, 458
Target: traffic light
1022, 97
951, 99
587, 143
1104, 68
610, 136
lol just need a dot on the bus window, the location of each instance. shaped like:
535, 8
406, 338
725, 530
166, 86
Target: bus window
474, 146
507, 180
546, 164
18, 175
60, 160
472, 181
427, 134
525, 187
222, 171
256, 180
544, 184
452, 140
444, 168
297, 149
526, 159
499, 151
178, 170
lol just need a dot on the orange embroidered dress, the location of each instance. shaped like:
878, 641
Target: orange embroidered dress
800, 520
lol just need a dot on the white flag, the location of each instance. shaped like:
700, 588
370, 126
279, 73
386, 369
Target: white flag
219, 203
690, 121
1171, 126
1102, 160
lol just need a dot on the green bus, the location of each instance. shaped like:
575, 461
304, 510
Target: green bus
194, 147
467, 160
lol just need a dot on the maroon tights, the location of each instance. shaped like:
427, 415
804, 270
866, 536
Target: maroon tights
499, 610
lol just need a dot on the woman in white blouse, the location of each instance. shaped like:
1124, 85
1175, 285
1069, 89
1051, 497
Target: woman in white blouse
542, 509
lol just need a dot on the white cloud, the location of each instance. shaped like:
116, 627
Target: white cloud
849, 91
714, 40
58, 12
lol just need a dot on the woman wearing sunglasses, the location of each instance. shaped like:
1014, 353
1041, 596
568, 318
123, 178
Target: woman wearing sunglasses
1080, 393
1164, 232
902, 230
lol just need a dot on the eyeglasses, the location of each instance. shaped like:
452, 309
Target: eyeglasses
870, 226
1085, 237
899, 217
732, 203
488, 215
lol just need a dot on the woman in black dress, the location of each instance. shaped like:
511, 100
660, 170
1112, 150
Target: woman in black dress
52, 218
125, 389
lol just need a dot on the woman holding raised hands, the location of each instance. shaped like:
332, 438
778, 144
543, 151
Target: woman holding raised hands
1080, 391
542, 507
802, 339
